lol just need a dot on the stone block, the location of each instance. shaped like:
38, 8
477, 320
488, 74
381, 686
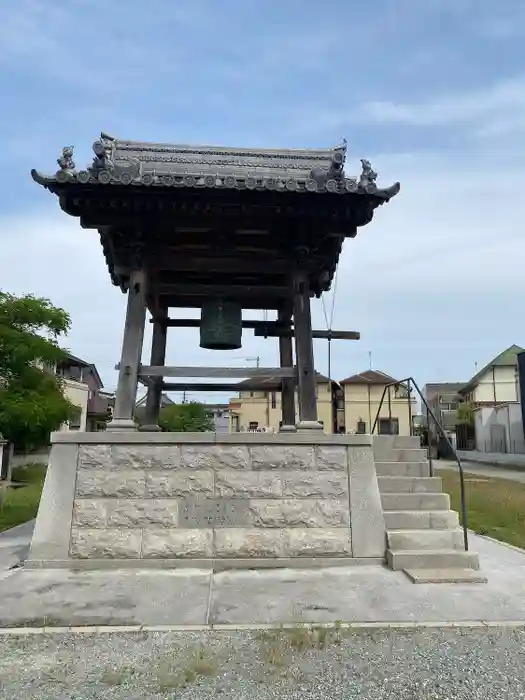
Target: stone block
241, 542
235, 484
298, 513
317, 542
330, 457
103, 482
282, 457
145, 456
182, 482
215, 457
142, 512
213, 512
94, 456
176, 543
304, 484
89, 512
114, 544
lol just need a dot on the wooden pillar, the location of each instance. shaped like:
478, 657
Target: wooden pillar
158, 357
304, 351
288, 384
126, 394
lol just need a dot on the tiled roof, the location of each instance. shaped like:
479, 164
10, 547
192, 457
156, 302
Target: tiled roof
171, 165
260, 383
370, 376
507, 358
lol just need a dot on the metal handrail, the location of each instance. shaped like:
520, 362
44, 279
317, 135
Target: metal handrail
408, 381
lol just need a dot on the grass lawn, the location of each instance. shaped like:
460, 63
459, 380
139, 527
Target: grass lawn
18, 505
495, 507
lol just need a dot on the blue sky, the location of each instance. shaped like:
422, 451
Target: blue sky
431, 91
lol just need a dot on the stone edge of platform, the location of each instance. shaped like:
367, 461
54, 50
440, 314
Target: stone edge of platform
360, 626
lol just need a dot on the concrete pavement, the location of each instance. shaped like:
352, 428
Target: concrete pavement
357, 594
14, 544
480, 469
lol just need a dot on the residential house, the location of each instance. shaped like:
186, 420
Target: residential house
260, 409
164, 401
362, 401
219, 411
494, 393
220, 414
83, 387
496, 382
442, 399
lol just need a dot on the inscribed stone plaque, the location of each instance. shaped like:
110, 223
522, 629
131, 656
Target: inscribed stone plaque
213, 512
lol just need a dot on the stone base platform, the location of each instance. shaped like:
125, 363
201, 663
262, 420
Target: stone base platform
164, 500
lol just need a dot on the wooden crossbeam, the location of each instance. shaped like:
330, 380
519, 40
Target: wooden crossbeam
230, 291
228, 372
197, 386
254, 264
195, 323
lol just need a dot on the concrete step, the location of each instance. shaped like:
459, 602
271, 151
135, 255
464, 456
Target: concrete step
396, 442
424, 539
409, 484
415, 501
445, 576
402, 469
421, 519
382, 454
432, 559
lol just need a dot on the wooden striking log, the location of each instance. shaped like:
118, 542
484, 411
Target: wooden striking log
322, 335
228, 372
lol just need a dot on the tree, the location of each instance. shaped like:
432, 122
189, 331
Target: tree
186, 418
465, 414
32, 402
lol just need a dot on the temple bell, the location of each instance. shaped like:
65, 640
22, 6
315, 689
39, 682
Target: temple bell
221, 325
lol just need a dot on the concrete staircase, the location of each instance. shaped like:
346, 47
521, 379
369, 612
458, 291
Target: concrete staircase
424, 538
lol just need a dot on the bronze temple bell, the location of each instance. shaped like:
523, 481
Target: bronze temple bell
221, 325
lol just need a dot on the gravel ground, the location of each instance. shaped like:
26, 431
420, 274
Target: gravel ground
286, 664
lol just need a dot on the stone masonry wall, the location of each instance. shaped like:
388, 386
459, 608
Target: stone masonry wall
211, 501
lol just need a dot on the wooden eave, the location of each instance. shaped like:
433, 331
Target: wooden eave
204, 218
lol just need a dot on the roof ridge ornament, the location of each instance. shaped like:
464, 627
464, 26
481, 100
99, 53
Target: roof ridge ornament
66, 162
368, 177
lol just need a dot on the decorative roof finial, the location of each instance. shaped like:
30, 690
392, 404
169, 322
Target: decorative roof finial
368, 175
66, 162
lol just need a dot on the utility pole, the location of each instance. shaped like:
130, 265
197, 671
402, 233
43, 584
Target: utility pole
184, 396
369, 359
254, 359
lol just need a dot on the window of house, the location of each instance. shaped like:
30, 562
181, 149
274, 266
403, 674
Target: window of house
361, 427
75, 418
388, 426
274, 400
253, 425
251, 394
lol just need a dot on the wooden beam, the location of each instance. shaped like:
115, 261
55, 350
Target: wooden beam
247, 303
195, 323
177, 262
271, 329
228, 372
231, 386
323, 335
222, 290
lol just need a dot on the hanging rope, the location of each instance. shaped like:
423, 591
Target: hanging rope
329, 323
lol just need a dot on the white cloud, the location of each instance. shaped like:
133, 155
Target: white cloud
457, 107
